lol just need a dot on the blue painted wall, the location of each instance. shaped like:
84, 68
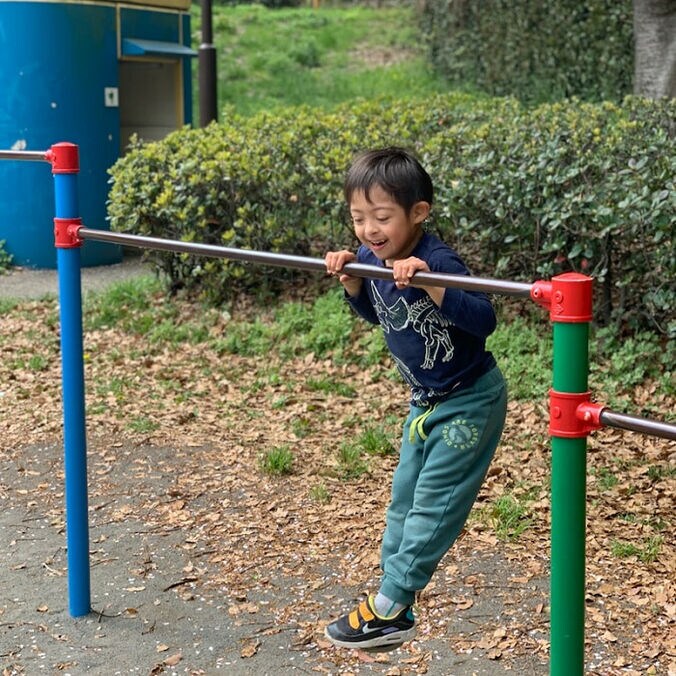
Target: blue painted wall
56, 59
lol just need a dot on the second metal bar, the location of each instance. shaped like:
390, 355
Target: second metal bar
306, 263
635, 424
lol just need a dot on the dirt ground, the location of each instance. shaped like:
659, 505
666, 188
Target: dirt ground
203, 564
156, 608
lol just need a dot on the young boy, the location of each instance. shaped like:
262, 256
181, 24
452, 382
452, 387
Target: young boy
458, 395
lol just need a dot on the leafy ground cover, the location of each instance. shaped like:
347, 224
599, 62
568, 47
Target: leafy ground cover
284, 449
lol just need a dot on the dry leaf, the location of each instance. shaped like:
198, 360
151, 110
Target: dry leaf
250, 648
173, 660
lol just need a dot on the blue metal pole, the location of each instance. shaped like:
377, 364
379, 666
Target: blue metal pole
65, 167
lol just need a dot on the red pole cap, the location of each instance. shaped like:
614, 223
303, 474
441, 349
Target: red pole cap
64, 158
571, 298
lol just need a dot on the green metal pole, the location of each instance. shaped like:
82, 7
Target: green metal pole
569, 299
569, 473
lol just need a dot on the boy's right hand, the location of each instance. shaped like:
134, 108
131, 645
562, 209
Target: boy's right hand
335, 260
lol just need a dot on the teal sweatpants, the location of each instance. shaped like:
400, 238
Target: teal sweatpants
445, 453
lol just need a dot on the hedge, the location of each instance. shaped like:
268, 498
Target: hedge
537, 51
521, 193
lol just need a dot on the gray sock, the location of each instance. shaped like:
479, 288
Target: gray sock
386, 607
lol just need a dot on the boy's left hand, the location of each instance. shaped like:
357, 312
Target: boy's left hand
404, 269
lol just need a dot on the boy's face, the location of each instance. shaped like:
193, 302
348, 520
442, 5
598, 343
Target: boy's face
383, 226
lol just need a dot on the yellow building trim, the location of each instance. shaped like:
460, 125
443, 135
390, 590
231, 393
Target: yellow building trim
166, 4
181, 5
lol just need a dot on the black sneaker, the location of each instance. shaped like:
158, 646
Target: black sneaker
363, 628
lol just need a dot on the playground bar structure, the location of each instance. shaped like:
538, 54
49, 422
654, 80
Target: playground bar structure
302, 262
573, 416
588, 412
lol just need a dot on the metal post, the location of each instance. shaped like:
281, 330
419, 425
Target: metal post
207, 70
569, 472
569, 298
65, 167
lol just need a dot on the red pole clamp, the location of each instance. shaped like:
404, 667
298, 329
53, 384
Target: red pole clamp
66, 233
572, 415
568, 297
541, 293
64, 158
590, 414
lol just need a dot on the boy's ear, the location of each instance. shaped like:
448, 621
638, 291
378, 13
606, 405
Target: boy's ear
420, 211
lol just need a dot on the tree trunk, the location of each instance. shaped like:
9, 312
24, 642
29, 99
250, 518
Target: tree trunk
655, 48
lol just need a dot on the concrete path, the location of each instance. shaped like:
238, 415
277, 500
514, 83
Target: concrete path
27, 283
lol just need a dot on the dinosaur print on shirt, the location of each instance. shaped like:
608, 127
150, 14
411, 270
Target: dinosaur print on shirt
437, 349
422, 316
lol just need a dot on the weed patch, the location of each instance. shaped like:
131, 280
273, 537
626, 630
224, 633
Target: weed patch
277, 461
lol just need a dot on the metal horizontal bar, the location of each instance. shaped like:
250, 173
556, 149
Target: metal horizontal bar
306, 263
30, 155
655, 428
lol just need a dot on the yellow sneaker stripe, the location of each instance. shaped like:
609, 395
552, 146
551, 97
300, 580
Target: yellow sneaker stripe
366, 611
353, 619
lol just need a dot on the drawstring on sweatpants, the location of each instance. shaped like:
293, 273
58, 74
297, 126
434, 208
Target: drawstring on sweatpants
417, 424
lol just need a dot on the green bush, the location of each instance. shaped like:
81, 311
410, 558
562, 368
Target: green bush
536, 51
569, 186
5, 258
521, 193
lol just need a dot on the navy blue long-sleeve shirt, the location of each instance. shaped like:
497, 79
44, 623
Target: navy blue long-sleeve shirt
438, 350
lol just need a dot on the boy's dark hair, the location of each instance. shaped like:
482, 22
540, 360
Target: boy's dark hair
396, 171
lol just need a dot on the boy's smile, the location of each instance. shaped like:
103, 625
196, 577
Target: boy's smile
382, 225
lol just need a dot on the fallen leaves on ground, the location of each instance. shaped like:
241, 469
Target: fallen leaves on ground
194, 422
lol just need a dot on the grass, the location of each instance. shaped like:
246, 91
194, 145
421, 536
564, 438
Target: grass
142, 425
328, 329
127, 304
141, 306
659, 472
276, 461
320, 493
509, 516
523, 349
38, 362
647, 552
351, 464
376, 441
270, 58
372, 441
606, 479
331, 386
325, 327
8, 304
5, 258
301, 427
